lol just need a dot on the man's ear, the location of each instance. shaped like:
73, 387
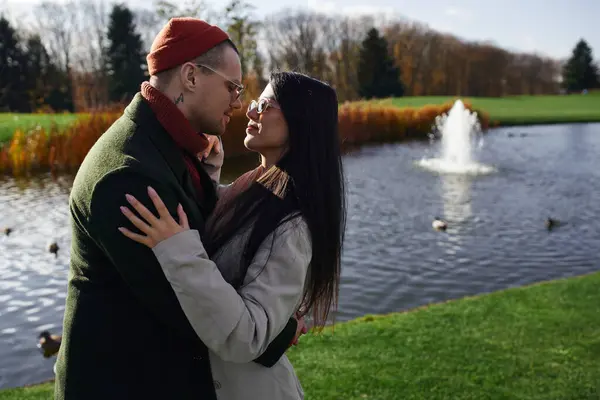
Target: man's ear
188, 78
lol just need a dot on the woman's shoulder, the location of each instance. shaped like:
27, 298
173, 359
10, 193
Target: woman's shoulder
294, 227
289, 246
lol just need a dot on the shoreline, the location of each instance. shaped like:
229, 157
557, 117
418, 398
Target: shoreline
505, 119
526, 304
517, 123
494, 124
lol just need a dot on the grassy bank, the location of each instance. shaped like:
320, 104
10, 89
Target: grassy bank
538, 342
523, 110
10, 122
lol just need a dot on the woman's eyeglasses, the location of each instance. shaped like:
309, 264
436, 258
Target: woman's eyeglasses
261, 106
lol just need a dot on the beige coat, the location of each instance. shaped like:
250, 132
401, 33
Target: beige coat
236, 326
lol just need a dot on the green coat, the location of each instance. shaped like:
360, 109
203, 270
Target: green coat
125, 335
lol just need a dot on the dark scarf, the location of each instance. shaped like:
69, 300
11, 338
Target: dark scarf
233, 273
176, 124
238, 186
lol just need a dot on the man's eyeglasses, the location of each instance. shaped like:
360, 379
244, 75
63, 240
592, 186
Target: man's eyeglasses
239, 88
261, 106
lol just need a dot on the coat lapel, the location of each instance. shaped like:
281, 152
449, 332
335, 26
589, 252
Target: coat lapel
142, 115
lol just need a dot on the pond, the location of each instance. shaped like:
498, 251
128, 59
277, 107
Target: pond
393, 260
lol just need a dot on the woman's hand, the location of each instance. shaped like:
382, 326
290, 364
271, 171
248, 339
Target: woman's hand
214, 146
156, 229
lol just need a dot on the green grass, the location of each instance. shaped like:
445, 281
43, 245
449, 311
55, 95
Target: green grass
540, 342
44, 391
523, 110
9, 122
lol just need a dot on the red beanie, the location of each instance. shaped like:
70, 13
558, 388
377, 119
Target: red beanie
180, 41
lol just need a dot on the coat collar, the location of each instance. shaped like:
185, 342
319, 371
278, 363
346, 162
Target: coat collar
140, 112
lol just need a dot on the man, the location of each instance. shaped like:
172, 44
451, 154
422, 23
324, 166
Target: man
125, 335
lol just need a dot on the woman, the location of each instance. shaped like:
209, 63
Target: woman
274, 239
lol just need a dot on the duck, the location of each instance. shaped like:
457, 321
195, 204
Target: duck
7, 231
53, 248
551, 223
49, 344
439, 224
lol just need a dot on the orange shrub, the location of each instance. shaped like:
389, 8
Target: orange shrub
359, 123
362, 123
52, 150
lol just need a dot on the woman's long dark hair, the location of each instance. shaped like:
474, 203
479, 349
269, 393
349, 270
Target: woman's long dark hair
308, 181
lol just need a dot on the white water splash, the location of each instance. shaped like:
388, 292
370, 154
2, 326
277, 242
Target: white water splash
460, 137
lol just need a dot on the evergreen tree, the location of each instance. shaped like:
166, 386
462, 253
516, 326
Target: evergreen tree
580, 72
47, 84
377, 75
13, 73
42, 76
125, 59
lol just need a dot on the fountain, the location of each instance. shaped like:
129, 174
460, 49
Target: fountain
460, 135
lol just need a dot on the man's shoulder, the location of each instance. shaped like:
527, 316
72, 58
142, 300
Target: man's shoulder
123, 150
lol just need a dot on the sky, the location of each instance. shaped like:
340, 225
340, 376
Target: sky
548, 27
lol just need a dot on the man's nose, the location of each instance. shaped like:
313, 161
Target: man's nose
237, 104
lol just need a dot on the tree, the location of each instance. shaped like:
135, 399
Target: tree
88, 72
58, 29
580, 72
39, 71
148, 24
47, 85
13, 73
377, 75
298, 40
186, 8
258, 66
125, 58
243, 31
57, 24
350, 31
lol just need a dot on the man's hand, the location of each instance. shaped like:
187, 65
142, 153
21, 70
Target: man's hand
214, 144
300, 330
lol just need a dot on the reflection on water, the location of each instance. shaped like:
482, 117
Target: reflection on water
392, 259
456, 196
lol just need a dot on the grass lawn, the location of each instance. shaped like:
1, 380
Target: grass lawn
9, 122
538, 342
524, 110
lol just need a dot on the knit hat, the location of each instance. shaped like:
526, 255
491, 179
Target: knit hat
182, 40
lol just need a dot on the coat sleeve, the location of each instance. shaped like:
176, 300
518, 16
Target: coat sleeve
238, 327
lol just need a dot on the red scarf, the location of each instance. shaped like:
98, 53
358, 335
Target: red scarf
172, 119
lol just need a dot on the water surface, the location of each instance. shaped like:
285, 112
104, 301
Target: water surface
392, 259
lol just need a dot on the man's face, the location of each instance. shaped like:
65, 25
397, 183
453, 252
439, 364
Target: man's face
218, 95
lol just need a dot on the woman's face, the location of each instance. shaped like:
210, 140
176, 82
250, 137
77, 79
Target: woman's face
267, 131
